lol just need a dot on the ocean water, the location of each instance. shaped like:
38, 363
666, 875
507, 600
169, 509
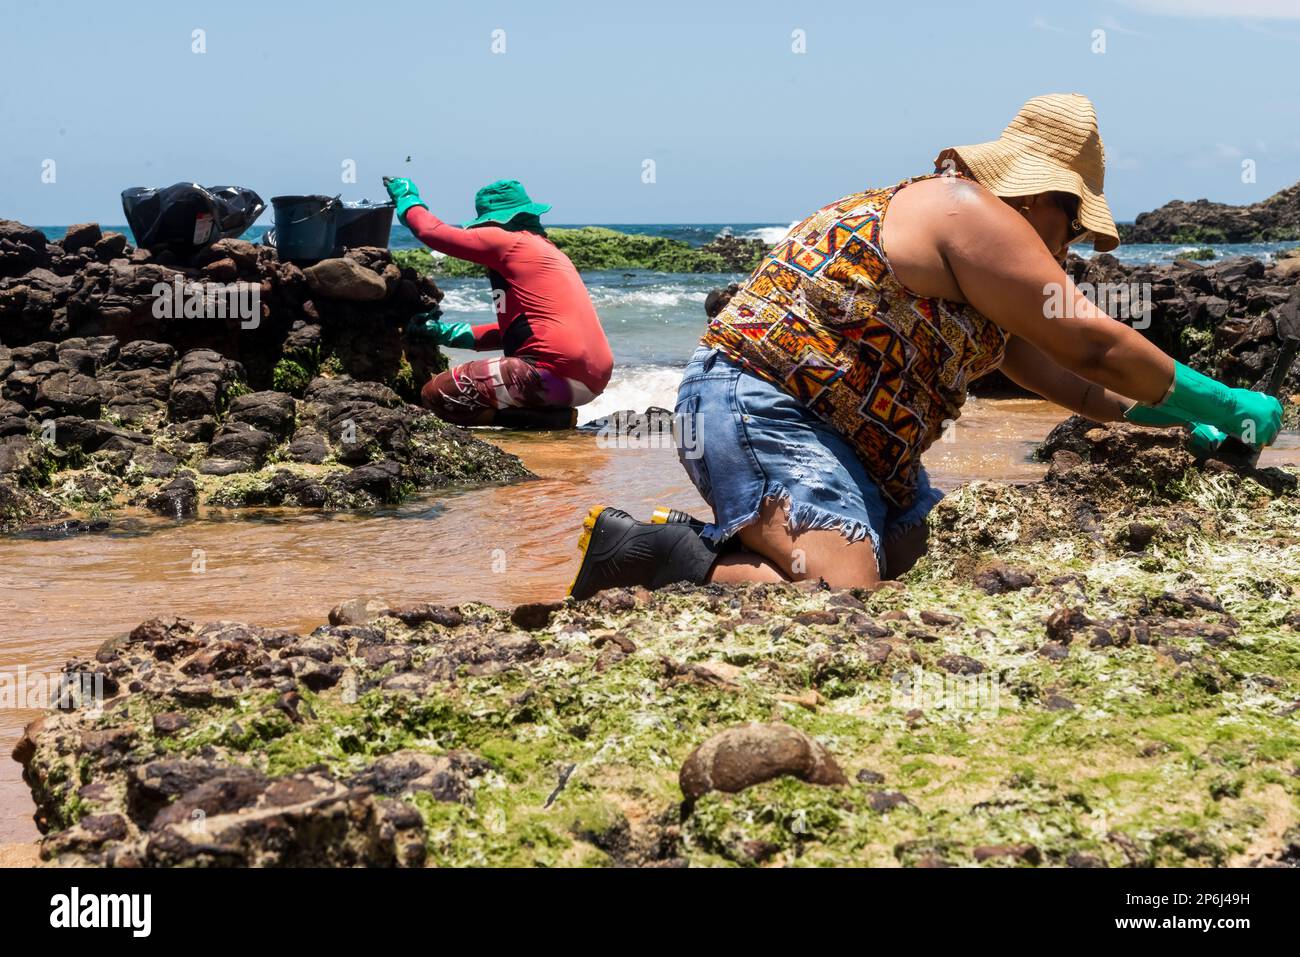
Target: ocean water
654, 320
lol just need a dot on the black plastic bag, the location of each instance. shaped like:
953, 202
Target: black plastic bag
185, 218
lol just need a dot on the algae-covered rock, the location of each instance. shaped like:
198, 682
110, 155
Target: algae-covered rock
594, 247
342, 444
1091, 670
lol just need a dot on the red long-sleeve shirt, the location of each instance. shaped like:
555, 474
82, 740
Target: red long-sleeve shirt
546, 316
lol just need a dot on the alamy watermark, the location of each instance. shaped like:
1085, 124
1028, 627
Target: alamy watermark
43, 691
209, 300
652, 430
133, 912
1126, 301
924, 690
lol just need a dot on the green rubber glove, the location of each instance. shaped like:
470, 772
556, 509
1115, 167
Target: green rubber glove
1251, 416
404, 193
458, 335
1203, 438
1142, 414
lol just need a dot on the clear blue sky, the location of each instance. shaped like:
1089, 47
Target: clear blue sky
740, 128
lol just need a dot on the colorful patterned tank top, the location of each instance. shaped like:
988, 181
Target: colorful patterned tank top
824, 318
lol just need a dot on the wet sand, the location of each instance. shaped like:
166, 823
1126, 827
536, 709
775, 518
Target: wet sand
504, 545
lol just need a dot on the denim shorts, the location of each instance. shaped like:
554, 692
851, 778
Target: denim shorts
754, 441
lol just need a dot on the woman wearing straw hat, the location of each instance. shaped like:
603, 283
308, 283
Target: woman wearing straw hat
556, 355
849, 349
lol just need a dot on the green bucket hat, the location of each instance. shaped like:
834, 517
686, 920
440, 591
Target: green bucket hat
502, 201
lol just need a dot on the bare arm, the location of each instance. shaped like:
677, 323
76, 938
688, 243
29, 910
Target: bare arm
1027, 366
1004, 271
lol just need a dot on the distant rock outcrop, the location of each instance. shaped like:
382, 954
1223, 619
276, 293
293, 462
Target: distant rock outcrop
1275, 219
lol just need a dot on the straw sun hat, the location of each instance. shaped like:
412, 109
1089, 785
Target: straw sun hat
1051, 145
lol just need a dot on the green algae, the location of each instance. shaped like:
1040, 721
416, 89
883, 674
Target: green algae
595, 248
66, 482
1166, 735
291, 377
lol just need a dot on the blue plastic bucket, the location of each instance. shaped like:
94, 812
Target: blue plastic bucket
305, 226
363, 224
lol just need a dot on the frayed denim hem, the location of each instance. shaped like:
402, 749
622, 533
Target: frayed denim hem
802, 517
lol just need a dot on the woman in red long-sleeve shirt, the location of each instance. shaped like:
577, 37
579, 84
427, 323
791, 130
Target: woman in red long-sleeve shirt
555, 357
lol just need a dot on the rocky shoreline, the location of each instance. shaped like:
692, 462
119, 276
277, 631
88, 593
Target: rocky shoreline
1275, 219
1092, 670
105, 405
1226, 318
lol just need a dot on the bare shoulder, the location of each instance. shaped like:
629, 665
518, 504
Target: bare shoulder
946, 205
934, 220
919, 226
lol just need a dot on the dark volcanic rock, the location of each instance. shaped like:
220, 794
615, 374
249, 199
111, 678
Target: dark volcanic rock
83, 234
178, 499
70, 393
996, 578
142, 354
21, 248
738, 254
242, 443
349, 311
345, 279
308, 447
1201, 221
379, 480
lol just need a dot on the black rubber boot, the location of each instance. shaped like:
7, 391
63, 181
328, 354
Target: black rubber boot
620, 552
671, 516
548, 419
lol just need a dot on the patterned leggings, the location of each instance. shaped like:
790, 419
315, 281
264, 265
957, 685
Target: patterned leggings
465, 394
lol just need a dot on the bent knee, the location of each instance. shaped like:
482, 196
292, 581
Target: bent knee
440, 396
857, 568
431, 394
819, 554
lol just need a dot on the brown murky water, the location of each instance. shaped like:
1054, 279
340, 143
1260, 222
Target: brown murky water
504, 545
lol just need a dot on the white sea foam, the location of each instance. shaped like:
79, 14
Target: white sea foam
479, 299
769, 234
462, 299
661, 297
635, 387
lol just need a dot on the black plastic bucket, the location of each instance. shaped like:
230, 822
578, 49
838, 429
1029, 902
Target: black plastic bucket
305, 226
363, 224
